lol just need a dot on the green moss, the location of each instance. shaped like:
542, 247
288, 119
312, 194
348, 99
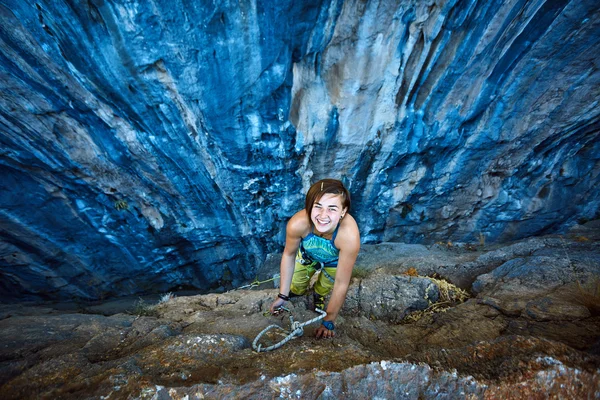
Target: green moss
450, 295
360, 272
121, 205
143, 309
406, 208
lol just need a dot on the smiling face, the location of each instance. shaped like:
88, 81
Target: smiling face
327, 212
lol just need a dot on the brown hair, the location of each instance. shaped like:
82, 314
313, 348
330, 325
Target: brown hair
318, 189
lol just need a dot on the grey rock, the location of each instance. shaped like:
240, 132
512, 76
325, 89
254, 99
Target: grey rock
533, 275
390, 298
25, 335
198, 346
208, 347
391, 380
530, 275
466, 273
268, 270
547, 308
553, 284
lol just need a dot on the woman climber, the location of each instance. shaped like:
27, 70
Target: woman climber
322, 237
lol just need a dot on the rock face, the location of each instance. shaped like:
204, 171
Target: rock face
198, 347
147, 145
540, 283
390, 298
387, 380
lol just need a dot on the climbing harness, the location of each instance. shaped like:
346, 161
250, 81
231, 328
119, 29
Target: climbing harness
318, 266
297, 331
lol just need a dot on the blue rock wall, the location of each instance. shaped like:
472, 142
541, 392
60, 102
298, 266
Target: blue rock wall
150, 145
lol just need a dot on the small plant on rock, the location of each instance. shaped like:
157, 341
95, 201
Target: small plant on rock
166, 297
143, 309
450, 295
359, 272
121, 205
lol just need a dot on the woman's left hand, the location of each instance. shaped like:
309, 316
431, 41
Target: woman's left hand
324, 333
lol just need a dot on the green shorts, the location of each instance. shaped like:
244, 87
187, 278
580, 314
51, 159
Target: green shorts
303, 274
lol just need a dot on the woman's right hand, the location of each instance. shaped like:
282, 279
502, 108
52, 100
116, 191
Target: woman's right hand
276, 305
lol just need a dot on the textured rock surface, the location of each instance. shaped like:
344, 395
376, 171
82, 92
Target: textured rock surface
199, 346
389, 297
549, 284
149, 145
389, 380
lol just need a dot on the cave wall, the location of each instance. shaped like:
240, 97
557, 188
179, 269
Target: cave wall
150, 145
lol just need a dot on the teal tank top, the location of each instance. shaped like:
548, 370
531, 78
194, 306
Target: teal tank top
314, 248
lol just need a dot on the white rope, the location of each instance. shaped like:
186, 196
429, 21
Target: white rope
297, 331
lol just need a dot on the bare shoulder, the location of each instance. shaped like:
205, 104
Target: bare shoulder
348, 236
298, 225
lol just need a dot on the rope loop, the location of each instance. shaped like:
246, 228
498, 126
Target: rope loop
297, 330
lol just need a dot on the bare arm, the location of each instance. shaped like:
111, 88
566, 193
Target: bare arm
348, 241
288, 260
293, 235
349, 245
